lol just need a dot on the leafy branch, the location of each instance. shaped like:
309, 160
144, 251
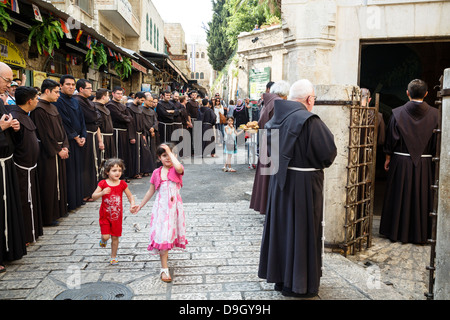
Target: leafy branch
5, 18
123, 68
96, 54
47, 35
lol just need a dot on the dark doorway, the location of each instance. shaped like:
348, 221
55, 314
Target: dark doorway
387, 68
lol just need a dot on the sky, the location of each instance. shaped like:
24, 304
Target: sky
192, 14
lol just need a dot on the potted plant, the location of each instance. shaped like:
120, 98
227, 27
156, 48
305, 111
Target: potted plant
96, 54
4, 17
47, 35
123, 68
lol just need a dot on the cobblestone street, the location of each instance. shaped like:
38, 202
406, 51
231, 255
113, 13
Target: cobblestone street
220, 262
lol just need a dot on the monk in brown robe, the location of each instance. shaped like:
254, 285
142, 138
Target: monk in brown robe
124, 135
409, 148
106, 126
54, 150
26, 154
258, 201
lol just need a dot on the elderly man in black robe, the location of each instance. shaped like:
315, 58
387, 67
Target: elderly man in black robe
124, 133
409, 148
94, 141
291, 244
73, 121
26, 154
258, 201
12, 240
54, 150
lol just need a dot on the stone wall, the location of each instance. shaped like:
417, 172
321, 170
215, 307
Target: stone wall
442, 276
260, 49
337, 118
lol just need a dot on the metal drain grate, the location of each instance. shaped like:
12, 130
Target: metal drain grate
97, 291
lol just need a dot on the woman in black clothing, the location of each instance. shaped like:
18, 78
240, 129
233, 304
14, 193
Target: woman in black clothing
240, 114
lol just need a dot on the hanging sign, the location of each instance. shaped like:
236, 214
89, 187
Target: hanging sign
10, 54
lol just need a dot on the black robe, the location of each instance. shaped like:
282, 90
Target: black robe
90, 149
291, 243
192, 110
258, 200
151, 121
142, 156
241, 116
408, 199
179, 123
51, 168
166, 120
73, 121
208, 118
12, 246
123, 133
26, 154
107, 130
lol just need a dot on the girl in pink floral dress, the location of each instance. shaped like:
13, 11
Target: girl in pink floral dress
167, 224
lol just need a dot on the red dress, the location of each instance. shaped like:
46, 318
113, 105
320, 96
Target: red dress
111, 209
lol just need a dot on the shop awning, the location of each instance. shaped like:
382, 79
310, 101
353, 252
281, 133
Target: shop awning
48, 6
161, 60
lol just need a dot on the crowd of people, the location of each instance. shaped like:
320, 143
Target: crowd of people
55, 140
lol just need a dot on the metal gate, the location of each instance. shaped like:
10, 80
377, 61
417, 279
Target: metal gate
435, 187
360, 174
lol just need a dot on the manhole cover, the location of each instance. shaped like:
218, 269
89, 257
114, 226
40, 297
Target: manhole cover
97, 291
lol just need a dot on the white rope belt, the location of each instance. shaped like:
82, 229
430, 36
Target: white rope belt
408, 155
94, 133
2, 163
139, 151
102, 153
165, 129
303, 169
57, 174
30, 195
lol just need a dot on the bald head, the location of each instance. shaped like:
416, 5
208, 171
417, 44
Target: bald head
6, 76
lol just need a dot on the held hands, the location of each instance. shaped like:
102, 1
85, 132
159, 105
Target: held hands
135, 208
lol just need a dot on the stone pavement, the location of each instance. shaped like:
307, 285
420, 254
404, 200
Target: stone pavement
221, 261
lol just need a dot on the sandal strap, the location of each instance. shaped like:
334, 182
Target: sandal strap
165, 271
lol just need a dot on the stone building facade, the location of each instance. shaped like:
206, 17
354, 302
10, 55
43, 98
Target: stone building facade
342, 44
201, 70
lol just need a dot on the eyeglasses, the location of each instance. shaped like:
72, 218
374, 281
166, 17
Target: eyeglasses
314, 97
8, 81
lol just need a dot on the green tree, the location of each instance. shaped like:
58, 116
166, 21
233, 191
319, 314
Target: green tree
219, 49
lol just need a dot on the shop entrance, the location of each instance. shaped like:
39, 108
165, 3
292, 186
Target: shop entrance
387, 68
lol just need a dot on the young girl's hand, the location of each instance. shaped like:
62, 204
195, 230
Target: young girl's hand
134, 209
107, 190
166, 148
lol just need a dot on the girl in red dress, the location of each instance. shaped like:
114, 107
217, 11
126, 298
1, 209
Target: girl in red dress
111, 190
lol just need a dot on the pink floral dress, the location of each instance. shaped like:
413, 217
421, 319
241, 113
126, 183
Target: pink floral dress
167, 223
